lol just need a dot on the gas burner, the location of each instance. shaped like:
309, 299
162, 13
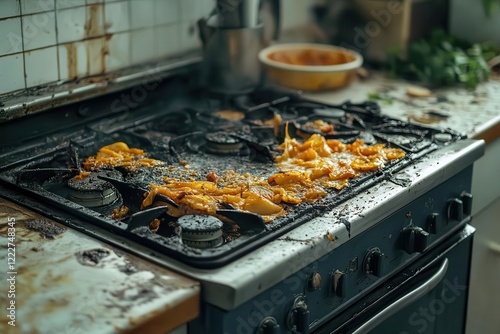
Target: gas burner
222, 143
200, 231
92, 192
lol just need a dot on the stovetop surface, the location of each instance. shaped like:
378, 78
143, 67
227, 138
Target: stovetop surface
213, 134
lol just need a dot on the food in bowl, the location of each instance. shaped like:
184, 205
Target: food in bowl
311, 67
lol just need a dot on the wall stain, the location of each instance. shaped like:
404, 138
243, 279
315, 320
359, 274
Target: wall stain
72, 61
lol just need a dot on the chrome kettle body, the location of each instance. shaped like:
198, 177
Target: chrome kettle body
232, 37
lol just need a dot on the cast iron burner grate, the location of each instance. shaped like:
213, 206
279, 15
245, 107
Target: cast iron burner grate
211, 136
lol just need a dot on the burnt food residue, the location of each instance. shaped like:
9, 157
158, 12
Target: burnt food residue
92, 257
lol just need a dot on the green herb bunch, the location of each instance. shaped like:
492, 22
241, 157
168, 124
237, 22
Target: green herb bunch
443, 60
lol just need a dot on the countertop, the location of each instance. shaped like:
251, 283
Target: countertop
63, 281
473, 113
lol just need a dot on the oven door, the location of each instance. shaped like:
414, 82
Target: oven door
429, 296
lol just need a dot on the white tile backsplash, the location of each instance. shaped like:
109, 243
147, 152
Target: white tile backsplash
117, 17
41, 66
295, 13
10, 36
81, 59
143, 45
9, 8
144, 13
61, 4
36, 6
188, 36
39, 30
72, 60
12, 73
167, 39
192, 10
118, 55
51, 40
96, 52
71, 24
94, 24
167, 11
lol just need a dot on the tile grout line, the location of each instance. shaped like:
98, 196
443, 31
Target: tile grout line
57, 40
22, 45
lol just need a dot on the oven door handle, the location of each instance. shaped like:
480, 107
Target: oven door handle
404, 301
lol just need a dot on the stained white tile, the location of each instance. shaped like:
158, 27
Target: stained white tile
167, 11
36, 6
41, 66
61, 4
10, 36
94, 25
142, 13
71, 24
143, 45
118, 55
39, 30
117, 16
188, 35
167, 40
72, 60
96, 52
81, 59
12, 73
9, 8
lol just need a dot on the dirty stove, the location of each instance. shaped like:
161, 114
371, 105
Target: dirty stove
292, 273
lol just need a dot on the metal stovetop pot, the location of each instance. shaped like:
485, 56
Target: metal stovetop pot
232, 36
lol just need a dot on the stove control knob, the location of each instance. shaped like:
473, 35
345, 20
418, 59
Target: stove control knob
434, 223
466, 199
339, 281
373, 263
315, 281
268, 325
298, 317
414, 239
456, 210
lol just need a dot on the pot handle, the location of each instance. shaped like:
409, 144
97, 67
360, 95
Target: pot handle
273, 7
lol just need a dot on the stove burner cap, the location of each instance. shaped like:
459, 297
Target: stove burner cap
222, 143
200, 231
93, 192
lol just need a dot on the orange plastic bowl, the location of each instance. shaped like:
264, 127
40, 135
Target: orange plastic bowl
310, 67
